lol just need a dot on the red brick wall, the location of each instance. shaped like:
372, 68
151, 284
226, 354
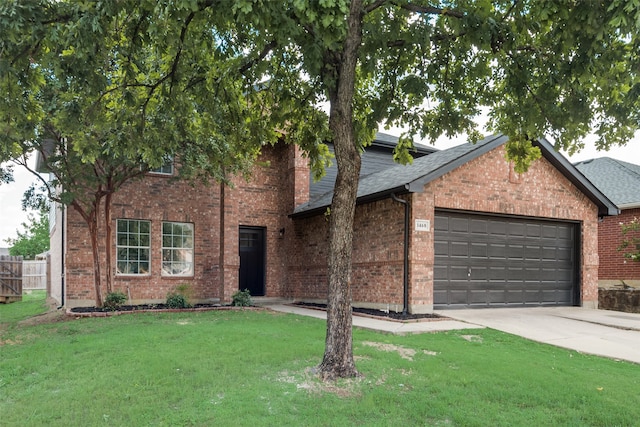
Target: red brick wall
613, 265
155, 198
296, 264
265, 201
486, 184
377, 264
216, 212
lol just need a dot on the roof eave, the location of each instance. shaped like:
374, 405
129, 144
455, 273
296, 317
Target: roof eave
359, 201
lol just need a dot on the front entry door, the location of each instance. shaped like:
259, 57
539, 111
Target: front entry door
252, 260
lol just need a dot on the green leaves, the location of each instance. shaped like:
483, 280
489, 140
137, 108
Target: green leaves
631, 240
521, 152
34, 239
139, 78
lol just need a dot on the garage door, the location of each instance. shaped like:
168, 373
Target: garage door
490, 261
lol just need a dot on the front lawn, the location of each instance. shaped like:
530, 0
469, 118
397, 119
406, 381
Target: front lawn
253, 368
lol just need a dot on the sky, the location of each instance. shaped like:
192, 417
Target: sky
12, 216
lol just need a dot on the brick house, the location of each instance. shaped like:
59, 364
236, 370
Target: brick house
620, 182
457, 228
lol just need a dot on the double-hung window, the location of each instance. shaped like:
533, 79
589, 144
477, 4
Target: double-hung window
166, 168
177, 249
133, 244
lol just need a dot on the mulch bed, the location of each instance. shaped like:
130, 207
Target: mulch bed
372, 312
160, 308
146, 308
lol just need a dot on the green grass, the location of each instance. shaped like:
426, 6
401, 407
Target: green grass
251, 368
32, 304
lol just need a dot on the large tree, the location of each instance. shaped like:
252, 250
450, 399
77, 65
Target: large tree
34, 239
555, 68
105, 91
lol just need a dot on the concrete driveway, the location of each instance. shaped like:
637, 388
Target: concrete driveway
606, 333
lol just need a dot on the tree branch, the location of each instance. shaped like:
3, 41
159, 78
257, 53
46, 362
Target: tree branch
429, 10
265, 51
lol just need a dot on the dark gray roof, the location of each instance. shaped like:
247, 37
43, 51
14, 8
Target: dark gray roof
412, 178
376, 157
618, 180
390, 141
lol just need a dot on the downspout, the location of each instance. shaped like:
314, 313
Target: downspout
405, 276
62, 257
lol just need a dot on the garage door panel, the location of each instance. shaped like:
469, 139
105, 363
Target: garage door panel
459, 249
459, 225
564, 254
514, 296
534, 230
516, 229
457, 297
511, 261
532, 253
550, 231
479, 250
478, 226
516, 252
497, 228
497, 251
550, 253
457, 272
440, 272
441, 248
478, 273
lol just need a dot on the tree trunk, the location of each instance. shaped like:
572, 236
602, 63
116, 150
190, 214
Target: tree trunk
338, 356
93, 235
91, 219
107, 246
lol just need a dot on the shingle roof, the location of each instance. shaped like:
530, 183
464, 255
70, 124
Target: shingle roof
618, 180
376, 157
387, 140
400, 178
412, 178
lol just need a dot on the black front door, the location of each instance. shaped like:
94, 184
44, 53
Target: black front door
252, 260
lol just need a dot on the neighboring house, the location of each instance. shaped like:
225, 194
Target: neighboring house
475, 233
620, 182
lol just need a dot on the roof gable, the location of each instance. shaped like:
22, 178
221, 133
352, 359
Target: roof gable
412, 178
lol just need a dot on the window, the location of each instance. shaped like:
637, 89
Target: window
166, 168
133, 242
177, 249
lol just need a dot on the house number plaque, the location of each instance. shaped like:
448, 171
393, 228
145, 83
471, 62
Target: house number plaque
423, 225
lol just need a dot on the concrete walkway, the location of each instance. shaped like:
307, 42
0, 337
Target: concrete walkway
605, 333
387, 326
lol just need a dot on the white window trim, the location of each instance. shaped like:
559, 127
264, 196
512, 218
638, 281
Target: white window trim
148, 272
187, 272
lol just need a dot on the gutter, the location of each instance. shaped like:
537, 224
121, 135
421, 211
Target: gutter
405, 275
633, 205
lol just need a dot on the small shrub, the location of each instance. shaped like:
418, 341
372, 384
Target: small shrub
241, 299
114, 300
184, 289
176, 300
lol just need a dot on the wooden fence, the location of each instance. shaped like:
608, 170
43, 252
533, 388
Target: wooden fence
34, 274
10, 278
